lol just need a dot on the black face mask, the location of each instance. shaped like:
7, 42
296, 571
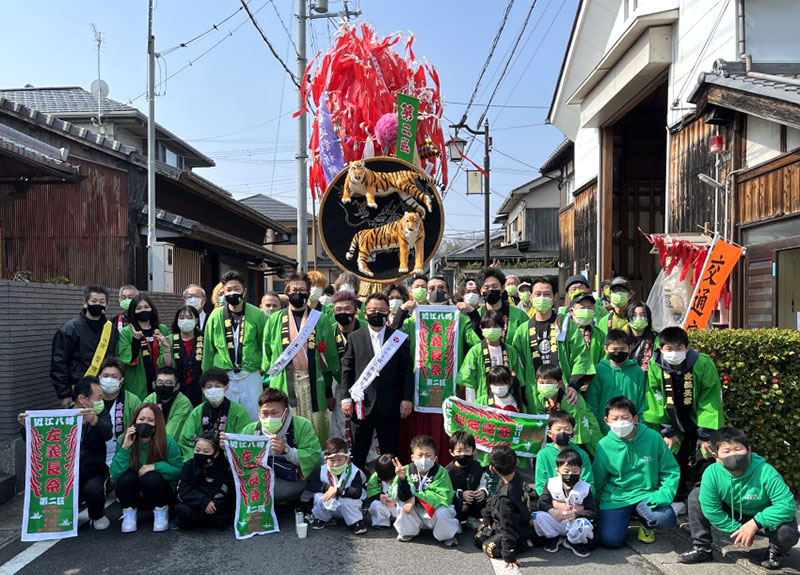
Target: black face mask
463, 460
562, 439
204, 460
570, 479
298, 299
233, 298
164, 392
436, 297
618, 356
95, 309
343, 318
143, 316
736, 462
493, 296
145, 430
377, 319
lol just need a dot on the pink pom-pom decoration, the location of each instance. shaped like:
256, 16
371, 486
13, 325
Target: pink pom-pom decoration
386, 130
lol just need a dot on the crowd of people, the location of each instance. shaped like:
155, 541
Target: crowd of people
635, 418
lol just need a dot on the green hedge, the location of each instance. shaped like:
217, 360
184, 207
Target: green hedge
760, 374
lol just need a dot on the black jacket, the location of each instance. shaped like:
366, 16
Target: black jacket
507, 514
199, 485
395, 382
354, 491
465, 479
93, 446
73, 349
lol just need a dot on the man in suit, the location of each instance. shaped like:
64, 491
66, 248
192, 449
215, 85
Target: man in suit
388, 397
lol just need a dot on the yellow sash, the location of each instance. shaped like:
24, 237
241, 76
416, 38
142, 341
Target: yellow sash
100, 352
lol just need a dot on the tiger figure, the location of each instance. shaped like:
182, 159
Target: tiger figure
405, 233
361, 181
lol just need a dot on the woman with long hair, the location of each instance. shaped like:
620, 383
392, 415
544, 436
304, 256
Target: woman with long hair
146, 467
187, 352
640, 327
143, 346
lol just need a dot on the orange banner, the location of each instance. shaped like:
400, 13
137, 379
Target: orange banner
719, 264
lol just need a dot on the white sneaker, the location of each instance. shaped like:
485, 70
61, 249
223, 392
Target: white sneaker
101, 523
128, 520
679, 507
160, 519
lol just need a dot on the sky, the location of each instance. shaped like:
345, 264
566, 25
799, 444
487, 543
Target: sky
234, 102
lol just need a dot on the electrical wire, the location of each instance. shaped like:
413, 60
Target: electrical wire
294, 78
285, 29
211, 29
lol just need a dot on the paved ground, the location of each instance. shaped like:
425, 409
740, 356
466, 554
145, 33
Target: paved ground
332, 550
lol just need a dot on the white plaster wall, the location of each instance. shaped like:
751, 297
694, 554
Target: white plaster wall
763, 141
587, 156
792, 139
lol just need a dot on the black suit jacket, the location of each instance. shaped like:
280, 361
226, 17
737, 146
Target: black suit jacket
395, 382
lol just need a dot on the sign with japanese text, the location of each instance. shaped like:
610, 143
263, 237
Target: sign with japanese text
435, 357
407, 110
254, 483
721, 259
52, 451
523, 433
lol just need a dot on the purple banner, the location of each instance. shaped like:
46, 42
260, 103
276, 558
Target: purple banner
330, 149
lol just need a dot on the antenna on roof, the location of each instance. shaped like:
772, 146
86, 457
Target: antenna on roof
99, 87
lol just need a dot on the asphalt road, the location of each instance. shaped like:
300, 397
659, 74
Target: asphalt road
332, 550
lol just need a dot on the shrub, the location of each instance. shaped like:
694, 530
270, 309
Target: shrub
760, 374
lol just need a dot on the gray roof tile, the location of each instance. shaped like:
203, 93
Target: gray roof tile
62, 100
272, 208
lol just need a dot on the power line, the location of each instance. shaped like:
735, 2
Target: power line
285, 28
488, 59
498, 105
295, 81
211, 29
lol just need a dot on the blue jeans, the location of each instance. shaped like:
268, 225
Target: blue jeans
612, 524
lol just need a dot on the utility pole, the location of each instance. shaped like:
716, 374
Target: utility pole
151, 149
321, 7
487, 204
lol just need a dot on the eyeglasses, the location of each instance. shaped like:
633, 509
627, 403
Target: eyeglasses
165, 383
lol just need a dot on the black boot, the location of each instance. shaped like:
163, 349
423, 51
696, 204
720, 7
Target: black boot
695, 555
772, 558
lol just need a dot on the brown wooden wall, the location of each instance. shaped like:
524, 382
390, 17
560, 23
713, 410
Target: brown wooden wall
769, 190
692, 201
78, 230
566, 233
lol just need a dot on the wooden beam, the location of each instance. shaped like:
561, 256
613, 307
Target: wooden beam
770, 109
769, 166
606, 219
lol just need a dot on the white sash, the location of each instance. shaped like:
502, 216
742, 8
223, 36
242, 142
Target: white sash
374, 367
297, 343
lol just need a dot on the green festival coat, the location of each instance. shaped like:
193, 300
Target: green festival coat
178, 412
706, 408
135, 379
472, 374
516, 318
438, 493
587, 429
305, 439
169, 469
546, 465
215, 348
324, 347
238, 418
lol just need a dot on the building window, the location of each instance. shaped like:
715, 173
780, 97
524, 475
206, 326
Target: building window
168, 156
293, 237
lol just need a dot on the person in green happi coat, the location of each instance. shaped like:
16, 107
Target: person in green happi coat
144, 346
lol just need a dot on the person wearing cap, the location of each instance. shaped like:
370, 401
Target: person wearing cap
621, 294
541, 341
525, 297
512, 288
582, 318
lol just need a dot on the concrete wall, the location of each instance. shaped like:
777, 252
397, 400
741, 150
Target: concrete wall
30, 313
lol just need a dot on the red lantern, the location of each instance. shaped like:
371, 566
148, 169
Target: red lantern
717, 144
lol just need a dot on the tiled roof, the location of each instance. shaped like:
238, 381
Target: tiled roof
733, 75
35, 151
559, 156
272, 208
63, 99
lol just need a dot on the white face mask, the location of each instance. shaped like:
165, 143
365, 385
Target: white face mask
674, 357
394, 305
499, 390
187, 325
424, 464
346, 287
214, 395
472, 299
622, 428
110, 384
194, 302
315, 293
324, 299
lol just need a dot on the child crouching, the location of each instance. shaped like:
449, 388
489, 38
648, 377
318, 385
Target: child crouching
338, 488
567, 507
426, 492
383, 508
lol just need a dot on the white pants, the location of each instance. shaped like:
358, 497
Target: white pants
444, 522
244, 388
348, 509
381, 515
578, 531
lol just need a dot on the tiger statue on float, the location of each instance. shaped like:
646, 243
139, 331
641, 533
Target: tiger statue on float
362, 181
406, 233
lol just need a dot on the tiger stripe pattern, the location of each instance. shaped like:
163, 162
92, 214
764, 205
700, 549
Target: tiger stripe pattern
404, 233
361, 181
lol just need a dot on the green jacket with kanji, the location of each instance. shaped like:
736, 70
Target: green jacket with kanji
215, 348
135, 379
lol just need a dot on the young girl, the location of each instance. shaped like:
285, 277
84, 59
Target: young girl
205, 489
143, 346
505, 390
146, 467
187, 352
640, 328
